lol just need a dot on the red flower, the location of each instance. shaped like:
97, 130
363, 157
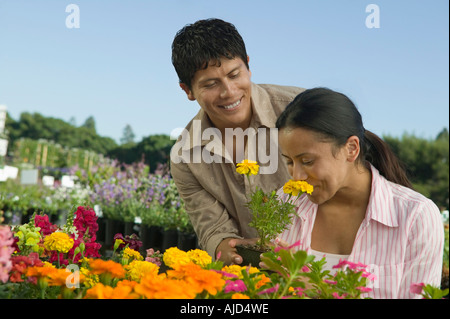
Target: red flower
43, 222
86, 222
21, 263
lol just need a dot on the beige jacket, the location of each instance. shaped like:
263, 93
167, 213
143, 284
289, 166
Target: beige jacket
206, 178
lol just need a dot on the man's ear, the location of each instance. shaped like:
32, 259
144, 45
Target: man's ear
188, 91
353, 148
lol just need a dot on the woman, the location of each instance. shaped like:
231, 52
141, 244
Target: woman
363, 208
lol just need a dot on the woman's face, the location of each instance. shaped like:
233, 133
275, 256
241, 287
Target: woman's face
309, 158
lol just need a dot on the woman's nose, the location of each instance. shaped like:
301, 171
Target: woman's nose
299, 173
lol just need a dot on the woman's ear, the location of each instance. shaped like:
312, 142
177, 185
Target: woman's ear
188, 91
353, 148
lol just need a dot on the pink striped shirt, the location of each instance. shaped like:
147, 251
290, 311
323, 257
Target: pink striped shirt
401, 238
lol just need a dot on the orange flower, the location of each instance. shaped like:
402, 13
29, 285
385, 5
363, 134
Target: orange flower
58, 277
98, 267
263, 279
39, 272
198, 278
123, 290
239, 296
161, 287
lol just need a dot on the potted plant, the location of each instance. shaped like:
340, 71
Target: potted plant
270, 215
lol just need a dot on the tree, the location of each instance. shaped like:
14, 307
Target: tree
90, 123
128, 135
427, 164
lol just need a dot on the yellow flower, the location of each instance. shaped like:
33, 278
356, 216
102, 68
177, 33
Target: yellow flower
199, 257
131, 254
296, 188
138, 269
247, 167
237, 270
174, 257
90, 280
59, 241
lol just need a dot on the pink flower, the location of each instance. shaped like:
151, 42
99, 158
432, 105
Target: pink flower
269, 290
305, 269
370, 276
278, 248
235, 286
416, 288
6, 249
364, 289
336, 296
351, 265
331, 282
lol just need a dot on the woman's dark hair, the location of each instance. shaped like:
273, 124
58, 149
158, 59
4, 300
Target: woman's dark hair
195, 45
334, 116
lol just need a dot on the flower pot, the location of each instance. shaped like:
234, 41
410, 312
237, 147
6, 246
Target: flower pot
151, 237
187, 241
128, 228
250, 255
169, 239
113, 226
101, 222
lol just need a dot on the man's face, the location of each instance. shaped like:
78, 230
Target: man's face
223, 92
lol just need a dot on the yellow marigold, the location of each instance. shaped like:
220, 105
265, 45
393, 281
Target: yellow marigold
239, 296
237, 270
98, 266
161, 287
247, 167
90, 280
132, 254
296, 188
47, 264
199, 257
138, 268
58, 241
174, 257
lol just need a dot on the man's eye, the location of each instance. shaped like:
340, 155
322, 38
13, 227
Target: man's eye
234, 75
210, 85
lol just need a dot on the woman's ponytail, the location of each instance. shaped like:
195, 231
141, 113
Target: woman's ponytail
379, 154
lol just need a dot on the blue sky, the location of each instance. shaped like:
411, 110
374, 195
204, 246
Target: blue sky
117, 66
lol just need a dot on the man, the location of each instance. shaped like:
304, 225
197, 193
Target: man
236, 121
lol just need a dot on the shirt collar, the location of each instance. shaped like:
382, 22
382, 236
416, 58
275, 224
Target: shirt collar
380, 207
381, 203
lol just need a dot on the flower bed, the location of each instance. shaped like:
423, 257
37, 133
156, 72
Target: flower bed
42, 260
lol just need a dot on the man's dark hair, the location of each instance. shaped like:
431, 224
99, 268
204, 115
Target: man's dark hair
205, 41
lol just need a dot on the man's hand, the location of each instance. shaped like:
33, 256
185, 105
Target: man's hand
228, 252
